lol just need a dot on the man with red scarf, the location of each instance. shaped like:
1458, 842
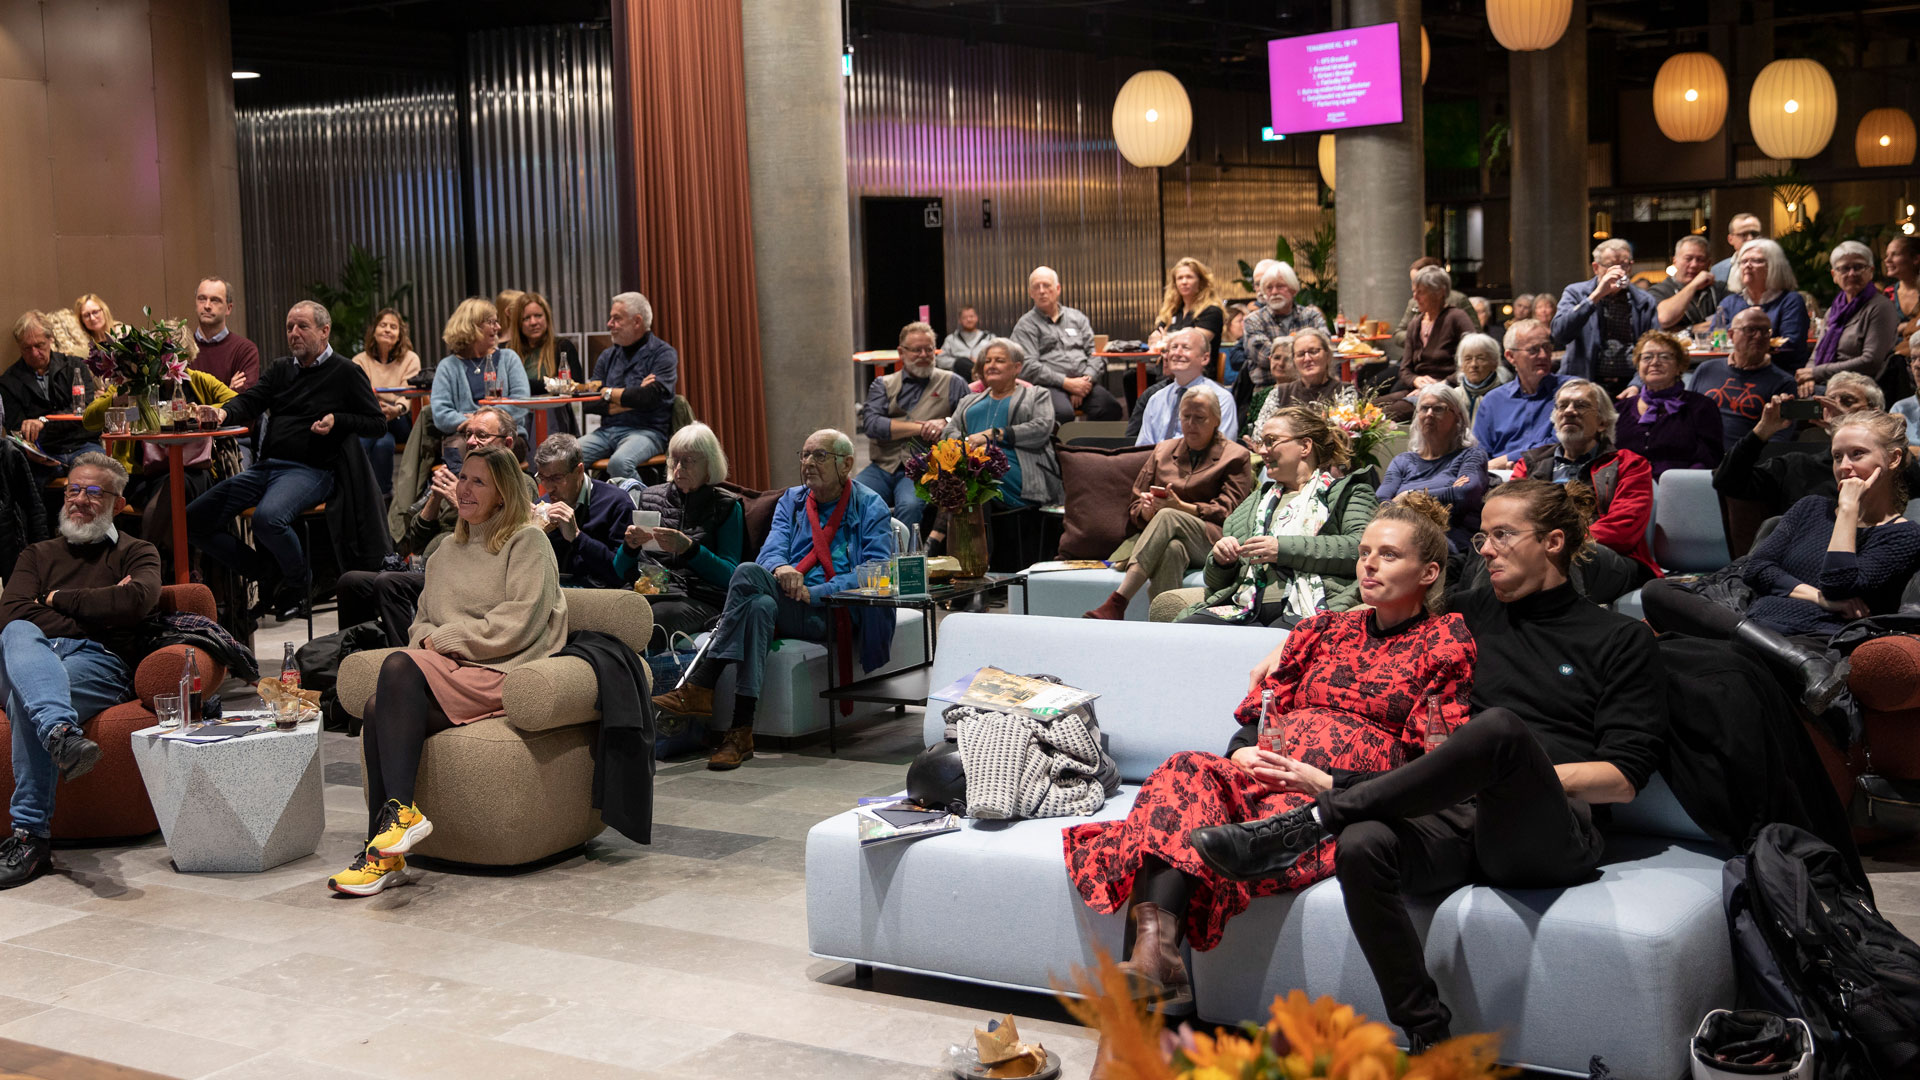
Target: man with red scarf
822, 530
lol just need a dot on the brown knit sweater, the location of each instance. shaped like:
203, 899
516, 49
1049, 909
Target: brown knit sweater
89, 601
498, 611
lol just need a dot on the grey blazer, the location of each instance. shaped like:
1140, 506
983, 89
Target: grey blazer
1868, 338
1030, 431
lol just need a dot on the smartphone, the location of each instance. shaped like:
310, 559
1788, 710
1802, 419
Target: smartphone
1160, 491
1801, 409
648, 519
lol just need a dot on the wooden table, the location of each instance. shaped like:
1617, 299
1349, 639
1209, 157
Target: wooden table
875, 362
1709, 354
1140, 360
540, 407
176, 444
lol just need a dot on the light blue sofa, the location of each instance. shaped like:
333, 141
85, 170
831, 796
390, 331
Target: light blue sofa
1068, 594
1623, 967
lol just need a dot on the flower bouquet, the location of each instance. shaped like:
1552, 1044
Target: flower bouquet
1355, 413
136, 360
1301, 1040
961, 478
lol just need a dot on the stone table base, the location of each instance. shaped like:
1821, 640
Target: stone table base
243, 805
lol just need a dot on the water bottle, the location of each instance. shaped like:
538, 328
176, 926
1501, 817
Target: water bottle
79, 391
1436, 722
289, 668
489, 372
1273, 736
190, 690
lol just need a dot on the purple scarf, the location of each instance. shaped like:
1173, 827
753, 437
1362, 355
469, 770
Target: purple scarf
1827, 350
1661, 402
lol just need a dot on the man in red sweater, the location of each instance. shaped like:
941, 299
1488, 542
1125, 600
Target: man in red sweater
224, 354
75, 611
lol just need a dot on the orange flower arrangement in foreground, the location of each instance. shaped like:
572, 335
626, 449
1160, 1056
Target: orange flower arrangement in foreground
1301, 1040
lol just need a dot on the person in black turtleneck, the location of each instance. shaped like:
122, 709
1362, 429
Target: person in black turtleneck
1570, 713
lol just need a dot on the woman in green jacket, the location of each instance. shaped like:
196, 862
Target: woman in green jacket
1288, 550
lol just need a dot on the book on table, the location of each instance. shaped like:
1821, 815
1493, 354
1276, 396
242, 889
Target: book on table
897, 817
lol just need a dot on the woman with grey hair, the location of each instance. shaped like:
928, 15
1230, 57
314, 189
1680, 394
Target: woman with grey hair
1766, 281
1313, 380
1862, 323
1478, 370
1443, 460
1432, 338
700, 539
1015, 417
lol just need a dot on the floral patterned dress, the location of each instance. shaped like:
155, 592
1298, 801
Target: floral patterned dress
1346, 691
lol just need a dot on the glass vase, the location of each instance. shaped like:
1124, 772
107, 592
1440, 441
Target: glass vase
967, 540
146, 418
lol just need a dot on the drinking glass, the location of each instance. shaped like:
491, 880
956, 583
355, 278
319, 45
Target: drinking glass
166, 709
119, 420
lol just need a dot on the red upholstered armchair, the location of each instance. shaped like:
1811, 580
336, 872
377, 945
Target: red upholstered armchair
111, 801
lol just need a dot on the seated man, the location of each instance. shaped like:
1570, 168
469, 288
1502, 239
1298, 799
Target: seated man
637, 374
1745, 380
822, 531
42, 383
318, 400
1570, 712
1059, 345
956, 353
390, 597
585, 519
1621, 482
1777, 481
904, 414
74, 608
1518, 416
1689, 297
1185, 361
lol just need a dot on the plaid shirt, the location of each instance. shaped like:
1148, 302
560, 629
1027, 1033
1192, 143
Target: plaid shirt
1263, 327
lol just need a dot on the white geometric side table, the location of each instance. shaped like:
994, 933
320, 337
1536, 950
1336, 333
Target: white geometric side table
239, 806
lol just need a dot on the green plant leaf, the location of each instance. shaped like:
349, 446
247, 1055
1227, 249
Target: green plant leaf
1282, 250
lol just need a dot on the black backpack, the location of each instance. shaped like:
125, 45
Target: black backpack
1808, 942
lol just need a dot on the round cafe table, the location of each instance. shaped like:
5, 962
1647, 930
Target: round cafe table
540, 407
1709, 354
176, 445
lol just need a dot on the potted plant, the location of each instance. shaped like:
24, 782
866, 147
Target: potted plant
961, 478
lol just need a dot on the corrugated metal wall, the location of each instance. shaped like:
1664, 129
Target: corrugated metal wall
1221, 216
378, 166
544, 171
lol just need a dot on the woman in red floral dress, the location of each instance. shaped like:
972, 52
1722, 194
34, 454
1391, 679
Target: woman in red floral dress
1352, 691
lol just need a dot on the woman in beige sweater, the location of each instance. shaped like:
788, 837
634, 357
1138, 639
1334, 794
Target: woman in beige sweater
492, 602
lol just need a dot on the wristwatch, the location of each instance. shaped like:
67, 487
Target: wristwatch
606, 393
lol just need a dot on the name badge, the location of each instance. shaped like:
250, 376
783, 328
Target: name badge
1070, 331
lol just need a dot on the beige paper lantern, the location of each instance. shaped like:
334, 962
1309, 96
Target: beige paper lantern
1690, 97
1326, 160
1792, 109
1885, 137
1426, 56
1528, 25
1152, 119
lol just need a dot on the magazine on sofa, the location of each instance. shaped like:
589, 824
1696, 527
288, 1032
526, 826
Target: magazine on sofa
897, 817
1003, 691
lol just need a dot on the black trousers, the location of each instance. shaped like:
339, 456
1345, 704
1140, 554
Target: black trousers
685, 616
400, 718
1099, 404
389, 597
1671, 608
1412, 831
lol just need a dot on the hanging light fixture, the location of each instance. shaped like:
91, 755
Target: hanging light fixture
1326, 160
1151, 119
1602, 225
1699, 222
1528, 25
1426, 56
1885, 137
1690, 97
1792, 109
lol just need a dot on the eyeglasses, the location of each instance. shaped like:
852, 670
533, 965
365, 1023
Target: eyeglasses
553, 478
1501, 540
1534, 350
924, 350
814, 457
474, 436
92, 491
1577, 405
683, 461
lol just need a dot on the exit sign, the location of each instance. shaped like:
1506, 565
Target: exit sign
1267, 135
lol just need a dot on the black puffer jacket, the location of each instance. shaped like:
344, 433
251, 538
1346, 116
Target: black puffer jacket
23, 516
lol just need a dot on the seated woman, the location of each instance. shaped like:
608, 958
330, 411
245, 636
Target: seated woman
1313, 380
1185, 490
387, 356
1017, 417
460, 379
1351, 692
1862, 326
492, 602
1442, 460
702, 533
1432, 340
1480, 371
1666, 423
1288, 549
1831, 560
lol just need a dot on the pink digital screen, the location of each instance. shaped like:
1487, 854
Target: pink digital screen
1340, 79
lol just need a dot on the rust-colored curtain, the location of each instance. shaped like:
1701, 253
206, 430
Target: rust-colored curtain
686, 217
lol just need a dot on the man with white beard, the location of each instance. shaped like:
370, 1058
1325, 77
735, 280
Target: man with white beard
74, 612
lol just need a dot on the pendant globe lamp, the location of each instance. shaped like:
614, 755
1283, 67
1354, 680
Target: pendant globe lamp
1426, 56
1792, 109
1326, 160
1528, 25
1885, 137
1151, 119
1690, 97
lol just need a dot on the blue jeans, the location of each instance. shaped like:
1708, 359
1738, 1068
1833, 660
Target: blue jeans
624, 447
896, 489
380, 451
47, 683
279, 491
755, 614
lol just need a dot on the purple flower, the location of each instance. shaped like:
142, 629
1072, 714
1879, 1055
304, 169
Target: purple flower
997, 463
949, 492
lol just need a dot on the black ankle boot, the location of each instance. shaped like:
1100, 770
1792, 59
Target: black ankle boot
1419, 1042
1258, 850
1821, 680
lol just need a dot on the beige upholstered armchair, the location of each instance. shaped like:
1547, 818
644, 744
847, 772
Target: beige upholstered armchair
517, 789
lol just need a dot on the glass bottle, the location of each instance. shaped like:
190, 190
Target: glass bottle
189, 690
289, 668
1273, 734
1435, 722
79, 391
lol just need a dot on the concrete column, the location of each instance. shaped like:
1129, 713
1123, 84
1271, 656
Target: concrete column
1552, 232
802, 253
1380, 204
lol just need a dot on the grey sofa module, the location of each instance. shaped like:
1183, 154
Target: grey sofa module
1068, 593
1623, 967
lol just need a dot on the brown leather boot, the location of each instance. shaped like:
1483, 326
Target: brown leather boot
688, 700
735, 747
1156, 970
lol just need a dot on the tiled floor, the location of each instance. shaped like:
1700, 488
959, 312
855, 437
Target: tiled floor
685, 959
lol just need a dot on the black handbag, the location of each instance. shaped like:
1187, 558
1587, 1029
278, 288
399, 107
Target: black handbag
1883, 802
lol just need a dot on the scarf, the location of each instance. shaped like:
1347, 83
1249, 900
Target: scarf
1827, 350
822, 553
1304, 515
1661, 402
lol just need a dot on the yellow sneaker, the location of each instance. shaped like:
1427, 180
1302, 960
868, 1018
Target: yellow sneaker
400, 828
369, 874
